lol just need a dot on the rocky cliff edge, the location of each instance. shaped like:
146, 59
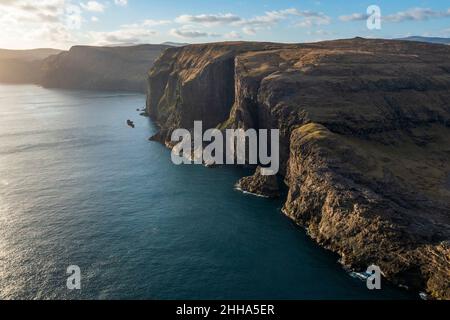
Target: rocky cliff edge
365, 139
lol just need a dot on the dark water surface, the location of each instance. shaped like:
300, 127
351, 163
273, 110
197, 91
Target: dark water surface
78, 187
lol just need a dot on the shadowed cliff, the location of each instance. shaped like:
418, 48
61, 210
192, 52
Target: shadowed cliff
23, 66
365, 139
82, 67
101, 68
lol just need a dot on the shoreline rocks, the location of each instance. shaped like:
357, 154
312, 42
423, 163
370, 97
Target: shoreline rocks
266, 186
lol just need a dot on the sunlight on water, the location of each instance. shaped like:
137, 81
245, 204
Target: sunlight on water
79, 187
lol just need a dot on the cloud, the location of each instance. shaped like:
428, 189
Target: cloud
121, 3
188, 33
249, 31
413, 14
208, 19
304, 19
147, 23
417, 14
30, 11
320, 33
124, 36
72, 18
354, 17
251, 25
93, 6
128, 34
232, 35
312, 18
28, 23
269, 18
94, 19
151, 23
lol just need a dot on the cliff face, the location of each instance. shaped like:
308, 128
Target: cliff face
364, 146
195, 82
82, 67
101, 68
23, 66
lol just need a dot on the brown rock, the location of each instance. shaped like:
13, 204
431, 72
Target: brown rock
365, 139
258, 184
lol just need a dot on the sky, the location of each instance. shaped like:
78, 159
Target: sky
27, 24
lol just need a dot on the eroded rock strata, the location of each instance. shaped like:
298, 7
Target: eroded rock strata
365, 139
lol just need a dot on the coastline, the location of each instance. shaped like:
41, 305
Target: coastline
330, 164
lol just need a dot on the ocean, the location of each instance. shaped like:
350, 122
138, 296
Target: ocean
80, 187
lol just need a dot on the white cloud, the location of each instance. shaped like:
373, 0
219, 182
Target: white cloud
271, 18
249, 31
124, 36
147, 23
311, 22
413, 14
28, 23
354, 17
251, 25
208, 19
232, 35
417, 14
72, 18
185, 32
121, 3
151, 23
93, 6
319, 33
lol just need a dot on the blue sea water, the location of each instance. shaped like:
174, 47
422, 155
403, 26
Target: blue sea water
79, 187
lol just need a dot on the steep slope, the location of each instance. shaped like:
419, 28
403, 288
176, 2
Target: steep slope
101, 68
195, 82
23, 66
365, 139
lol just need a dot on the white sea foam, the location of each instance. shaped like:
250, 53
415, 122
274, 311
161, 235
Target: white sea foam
250, 193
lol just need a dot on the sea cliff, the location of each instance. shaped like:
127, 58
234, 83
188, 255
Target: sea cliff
101, 68
364, 145
23, 66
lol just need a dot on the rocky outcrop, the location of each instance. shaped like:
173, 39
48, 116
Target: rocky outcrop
364, 139
260, 185
101, 68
